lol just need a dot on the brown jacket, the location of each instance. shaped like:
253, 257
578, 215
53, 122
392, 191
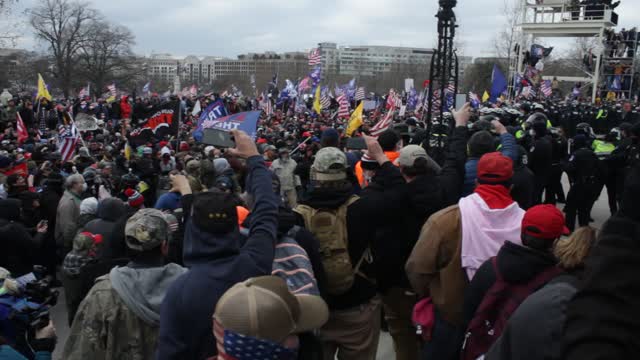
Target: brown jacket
435, 268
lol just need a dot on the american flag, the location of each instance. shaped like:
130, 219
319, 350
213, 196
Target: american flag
359, 94
383, 124
22, 130
67, 140
112, 89
343, 110
393, 100
234, 346
545, 87
325, 101
314, 57
532, 92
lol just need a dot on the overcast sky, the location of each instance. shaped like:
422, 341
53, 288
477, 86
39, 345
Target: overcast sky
232, 27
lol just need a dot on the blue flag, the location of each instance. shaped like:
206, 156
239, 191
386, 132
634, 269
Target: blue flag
412, 100
499, 84
245, 121
214, 111
316, 75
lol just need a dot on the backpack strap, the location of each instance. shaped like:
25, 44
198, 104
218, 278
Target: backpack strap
496, 270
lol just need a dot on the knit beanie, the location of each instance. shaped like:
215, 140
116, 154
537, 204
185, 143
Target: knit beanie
134, 198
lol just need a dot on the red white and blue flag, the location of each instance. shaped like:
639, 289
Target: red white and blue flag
383, 124
343, 110
314, 57
546, 89
67, 141
23, 134
359, 94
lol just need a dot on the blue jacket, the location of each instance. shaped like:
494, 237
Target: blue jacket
509, 148
8, 353
216, 263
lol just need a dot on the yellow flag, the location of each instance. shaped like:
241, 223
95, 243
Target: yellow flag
316, 101
356, 119
43, 92
111, 99
485, 96
127, 151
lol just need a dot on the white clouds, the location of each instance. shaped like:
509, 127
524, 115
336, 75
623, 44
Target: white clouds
231, 27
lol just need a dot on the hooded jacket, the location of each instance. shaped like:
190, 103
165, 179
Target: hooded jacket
18, 246
508, 148
216, 263
120, 316
534, 330
517, 265
110, 224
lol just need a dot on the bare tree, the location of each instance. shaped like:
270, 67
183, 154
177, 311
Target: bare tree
507, 38
106, 55
9, 30
64, 26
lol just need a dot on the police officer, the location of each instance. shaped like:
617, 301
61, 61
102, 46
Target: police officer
604, 149
540, 153
554, 193
585, 174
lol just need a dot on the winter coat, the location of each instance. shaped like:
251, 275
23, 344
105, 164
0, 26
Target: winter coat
216, 263
66, 219
110, 224
541, 158
19, 248
534, 330
508, 148
435, 268
523, 186
120, 316
8, 353
517, 265
424, 196
603, 319
285, 172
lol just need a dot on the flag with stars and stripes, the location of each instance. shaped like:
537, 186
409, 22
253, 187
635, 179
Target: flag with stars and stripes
343, 110
314, 57
546, 89
383, 124
360, 94
112, 90
325, 101
235, 346
67, 141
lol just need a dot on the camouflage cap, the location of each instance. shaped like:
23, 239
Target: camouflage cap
146, 230
330, 165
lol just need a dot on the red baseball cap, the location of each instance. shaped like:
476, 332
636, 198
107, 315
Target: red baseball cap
495, 168
544, 222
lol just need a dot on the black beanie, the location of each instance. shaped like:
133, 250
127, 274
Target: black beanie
215, 212
481, 143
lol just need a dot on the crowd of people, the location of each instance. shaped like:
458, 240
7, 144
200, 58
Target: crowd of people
300, 244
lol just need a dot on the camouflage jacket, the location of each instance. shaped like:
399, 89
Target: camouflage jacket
105, 328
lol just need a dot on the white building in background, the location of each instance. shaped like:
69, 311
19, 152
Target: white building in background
371, 60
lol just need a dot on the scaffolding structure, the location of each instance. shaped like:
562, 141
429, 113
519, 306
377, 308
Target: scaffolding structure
563, 18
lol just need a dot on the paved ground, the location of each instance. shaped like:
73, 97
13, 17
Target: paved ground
600, 214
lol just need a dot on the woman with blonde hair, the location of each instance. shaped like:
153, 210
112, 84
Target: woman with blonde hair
572, 251
534, 330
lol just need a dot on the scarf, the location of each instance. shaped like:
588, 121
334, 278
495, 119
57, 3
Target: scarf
495, 196
485, 229
240, 347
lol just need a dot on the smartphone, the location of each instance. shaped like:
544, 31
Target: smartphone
356, 143
218, 138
